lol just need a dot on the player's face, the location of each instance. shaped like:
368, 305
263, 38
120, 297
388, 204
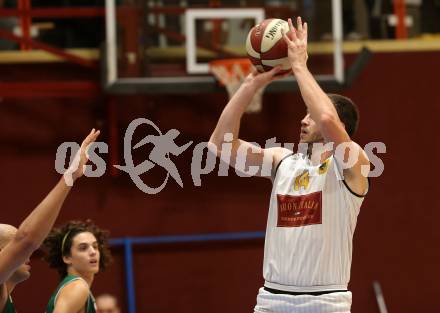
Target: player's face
23, 272
84, 254
309, 131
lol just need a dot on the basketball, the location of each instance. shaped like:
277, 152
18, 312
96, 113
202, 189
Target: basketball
265, 45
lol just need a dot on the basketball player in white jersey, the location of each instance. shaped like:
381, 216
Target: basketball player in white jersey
316, 194
17, 245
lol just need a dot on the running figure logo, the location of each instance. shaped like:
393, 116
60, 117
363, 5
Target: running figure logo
163, 146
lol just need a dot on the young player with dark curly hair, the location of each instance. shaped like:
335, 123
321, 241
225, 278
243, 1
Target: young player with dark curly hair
78, 251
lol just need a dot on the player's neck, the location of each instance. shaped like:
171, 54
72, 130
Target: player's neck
88, 277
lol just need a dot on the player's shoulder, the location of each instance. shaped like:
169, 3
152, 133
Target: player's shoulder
72, 296
362, 155
355, 170
279, 154
357, 145
348, 150
75, 288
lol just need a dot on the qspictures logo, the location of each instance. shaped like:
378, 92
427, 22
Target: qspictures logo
204, 157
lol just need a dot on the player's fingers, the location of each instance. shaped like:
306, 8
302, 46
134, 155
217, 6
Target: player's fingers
286, 38
91, 137
276, 70
91, 133
293, 31
299, 25
285, 75
254, 71
305, 31
88, 138
273, 72
289, 21
96, 134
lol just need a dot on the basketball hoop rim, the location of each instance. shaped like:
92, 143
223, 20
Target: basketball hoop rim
230, 62
230, 66
231, 73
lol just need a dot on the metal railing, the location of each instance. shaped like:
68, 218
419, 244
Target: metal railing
128, 242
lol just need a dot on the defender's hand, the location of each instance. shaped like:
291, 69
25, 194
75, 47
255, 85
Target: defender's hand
76, 169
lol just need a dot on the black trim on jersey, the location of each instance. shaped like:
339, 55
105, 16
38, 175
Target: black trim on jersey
279, 163
354, 193
293, 293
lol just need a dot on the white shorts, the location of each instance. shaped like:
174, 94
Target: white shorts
335, 302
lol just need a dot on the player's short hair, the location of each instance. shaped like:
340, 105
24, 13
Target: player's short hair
59, 243
347, 111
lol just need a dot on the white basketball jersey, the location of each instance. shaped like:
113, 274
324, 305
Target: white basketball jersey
312, 217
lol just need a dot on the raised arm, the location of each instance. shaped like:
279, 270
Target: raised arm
229, 121
321, 108
34, 229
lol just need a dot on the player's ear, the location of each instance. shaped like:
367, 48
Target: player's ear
67, 260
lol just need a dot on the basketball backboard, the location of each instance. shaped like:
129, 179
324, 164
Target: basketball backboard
164, 46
